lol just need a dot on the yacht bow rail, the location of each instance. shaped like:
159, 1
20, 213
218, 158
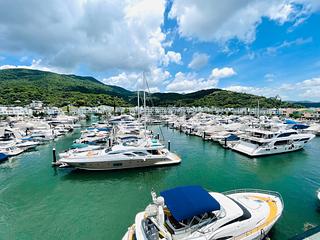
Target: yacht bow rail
268, 222
253, 190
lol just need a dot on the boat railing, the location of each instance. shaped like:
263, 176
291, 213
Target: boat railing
264, 225
252, 190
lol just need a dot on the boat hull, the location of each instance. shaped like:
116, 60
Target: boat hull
121, 164
267, 151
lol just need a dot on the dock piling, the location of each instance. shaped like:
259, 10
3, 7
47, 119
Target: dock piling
169, 145
54, 157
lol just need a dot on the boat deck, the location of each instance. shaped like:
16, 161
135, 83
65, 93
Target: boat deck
271, 217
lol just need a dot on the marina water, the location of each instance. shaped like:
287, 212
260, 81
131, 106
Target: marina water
40, 202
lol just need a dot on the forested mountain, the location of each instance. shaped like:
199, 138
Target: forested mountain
21, 86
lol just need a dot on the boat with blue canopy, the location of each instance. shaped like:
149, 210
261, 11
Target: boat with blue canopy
189, 201
191, 212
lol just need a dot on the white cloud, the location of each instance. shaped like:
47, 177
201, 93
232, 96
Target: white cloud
287, 44
223, 72
185, 83
269, 77
35, 65
134, 81
263, 91
154, 89
102, 34
199, 60
190, 83
126, 80
310, 88
172, 56
224, 20
307, 89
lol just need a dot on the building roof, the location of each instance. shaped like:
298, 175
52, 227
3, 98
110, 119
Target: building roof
189, 201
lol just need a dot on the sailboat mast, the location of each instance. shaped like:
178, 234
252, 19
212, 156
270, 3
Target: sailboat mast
144, 103
138, 105
258, 108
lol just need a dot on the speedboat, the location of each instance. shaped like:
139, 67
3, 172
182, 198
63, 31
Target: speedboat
26, 144
191, 212
318, 194
257, 142
11, 150
150, 153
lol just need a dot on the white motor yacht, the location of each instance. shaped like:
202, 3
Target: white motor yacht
190, 212
257, 142
26, 144
150, 153
11, 150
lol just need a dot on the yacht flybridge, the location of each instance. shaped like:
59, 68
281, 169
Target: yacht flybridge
190, 212
147, 153
257, 142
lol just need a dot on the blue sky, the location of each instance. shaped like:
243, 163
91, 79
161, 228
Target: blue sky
265, 47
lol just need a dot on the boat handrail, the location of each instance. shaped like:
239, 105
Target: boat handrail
247, 190
258, 228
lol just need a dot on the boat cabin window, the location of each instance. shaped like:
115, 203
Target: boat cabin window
107, 151
129, 154
140, 153
252, 141
304, 139
286, 134
279, 143
154, 152
261, 135
117, 164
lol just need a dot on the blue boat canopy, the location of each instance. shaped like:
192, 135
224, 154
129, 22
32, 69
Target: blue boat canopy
189, 201
289, 121
3, 157
233, 137
299, 126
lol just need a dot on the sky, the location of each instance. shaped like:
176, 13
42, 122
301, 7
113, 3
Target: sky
264, 47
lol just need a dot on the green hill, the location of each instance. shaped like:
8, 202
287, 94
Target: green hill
25, 85
57, 89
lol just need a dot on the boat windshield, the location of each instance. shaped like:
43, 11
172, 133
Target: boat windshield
150, 229
252, 141
154, 152
261, 135
194, 222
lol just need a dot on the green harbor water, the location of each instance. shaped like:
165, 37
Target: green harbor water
39, 202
